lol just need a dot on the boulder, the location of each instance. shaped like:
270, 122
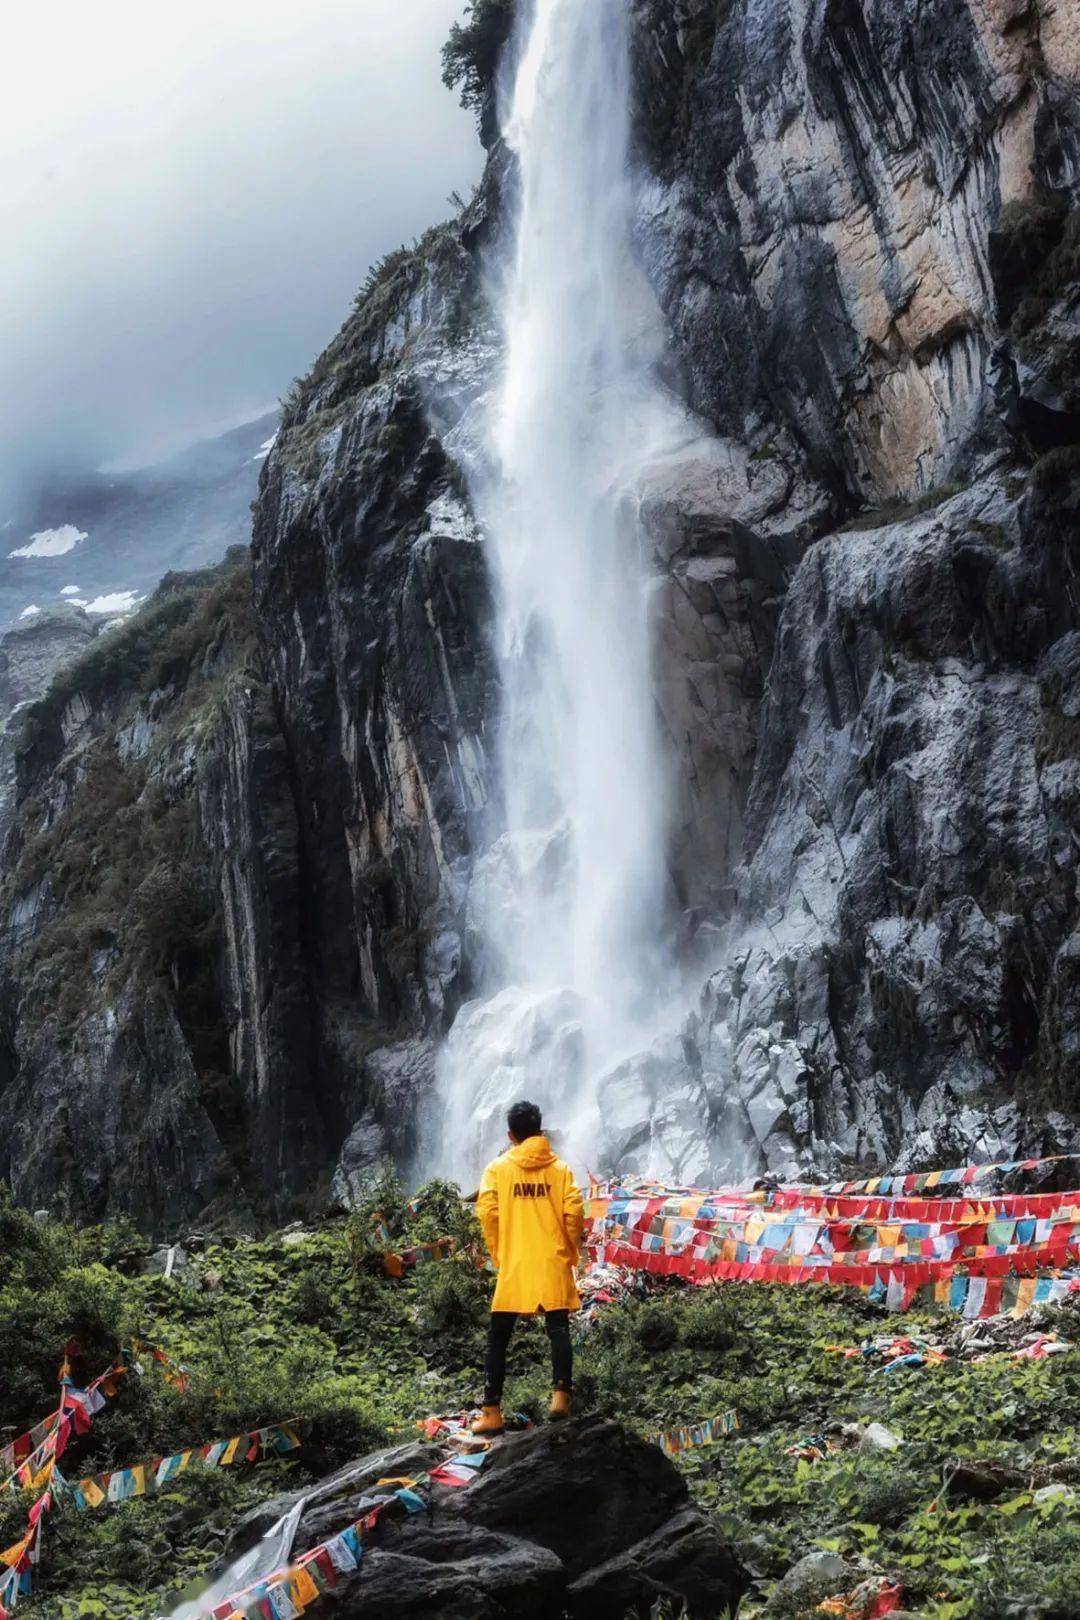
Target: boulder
582, 1519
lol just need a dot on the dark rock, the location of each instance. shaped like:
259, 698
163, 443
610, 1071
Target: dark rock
582, 1520
825, 229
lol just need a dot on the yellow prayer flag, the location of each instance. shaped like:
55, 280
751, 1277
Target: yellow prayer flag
302, 1588
14, 1554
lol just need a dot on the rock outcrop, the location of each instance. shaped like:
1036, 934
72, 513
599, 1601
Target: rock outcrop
828, 176
30, 656
583, 1519
862, 225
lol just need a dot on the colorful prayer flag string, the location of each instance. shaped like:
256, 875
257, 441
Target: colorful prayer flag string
964, 1176
673, 1441
173, 1372
74, 1415
975, 1252
144, 1479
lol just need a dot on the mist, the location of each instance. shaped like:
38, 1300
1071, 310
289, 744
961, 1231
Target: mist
191, 197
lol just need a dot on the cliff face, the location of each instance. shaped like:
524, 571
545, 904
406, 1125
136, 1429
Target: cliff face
829, 175
869, 213
142, 879
860, 223
372, 597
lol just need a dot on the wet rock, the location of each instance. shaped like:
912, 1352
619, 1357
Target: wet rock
827, 228
916, 776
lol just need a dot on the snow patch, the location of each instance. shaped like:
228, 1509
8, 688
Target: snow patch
51, 542
70, 590
28, 612
265, 448
113, 602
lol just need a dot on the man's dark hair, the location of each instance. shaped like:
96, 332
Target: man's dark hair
523, 1120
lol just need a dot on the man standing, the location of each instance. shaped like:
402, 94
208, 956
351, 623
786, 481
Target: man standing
531, 1214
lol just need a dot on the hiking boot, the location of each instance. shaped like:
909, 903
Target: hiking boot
489, 1422
559, 1410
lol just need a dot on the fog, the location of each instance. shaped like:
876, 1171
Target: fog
191, 196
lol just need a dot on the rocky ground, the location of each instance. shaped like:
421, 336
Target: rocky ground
305, 1323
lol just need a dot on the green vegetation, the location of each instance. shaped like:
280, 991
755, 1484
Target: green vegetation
1059, 268
375, 340
474, 49
306, 1324
155, 647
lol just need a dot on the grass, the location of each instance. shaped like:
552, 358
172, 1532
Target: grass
311, 1327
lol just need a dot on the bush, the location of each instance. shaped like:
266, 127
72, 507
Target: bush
450, 1301
656, 1328
46, 1300
708, 1324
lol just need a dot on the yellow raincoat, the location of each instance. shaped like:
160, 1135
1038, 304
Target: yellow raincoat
531, 1213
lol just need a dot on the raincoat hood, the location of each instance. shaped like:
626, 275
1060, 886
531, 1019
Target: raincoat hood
532, 1154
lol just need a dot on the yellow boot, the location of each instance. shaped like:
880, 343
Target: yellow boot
489, 1422
559, 1410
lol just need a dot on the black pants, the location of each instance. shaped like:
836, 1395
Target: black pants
499, 1335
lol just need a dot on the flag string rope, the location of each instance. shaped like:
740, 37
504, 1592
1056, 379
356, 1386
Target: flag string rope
143, 1479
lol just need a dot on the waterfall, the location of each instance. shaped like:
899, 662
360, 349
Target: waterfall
569, 900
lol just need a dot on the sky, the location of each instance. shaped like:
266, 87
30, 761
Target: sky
191, 195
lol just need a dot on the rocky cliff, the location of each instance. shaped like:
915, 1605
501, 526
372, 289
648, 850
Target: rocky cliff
860, 223
879, 230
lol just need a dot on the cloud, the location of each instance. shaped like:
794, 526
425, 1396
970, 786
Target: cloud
192, 197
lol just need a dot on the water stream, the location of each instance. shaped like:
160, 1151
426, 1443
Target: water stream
569, 899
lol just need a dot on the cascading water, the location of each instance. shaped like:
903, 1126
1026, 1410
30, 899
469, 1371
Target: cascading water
569, 900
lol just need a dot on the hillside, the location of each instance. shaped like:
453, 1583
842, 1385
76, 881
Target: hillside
304, 1324
103, 541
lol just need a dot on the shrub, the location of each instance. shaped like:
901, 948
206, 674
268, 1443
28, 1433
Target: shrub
656, 1328
708, 1324
450, 1297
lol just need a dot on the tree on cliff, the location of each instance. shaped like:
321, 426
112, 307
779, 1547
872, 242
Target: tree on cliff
472, 52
